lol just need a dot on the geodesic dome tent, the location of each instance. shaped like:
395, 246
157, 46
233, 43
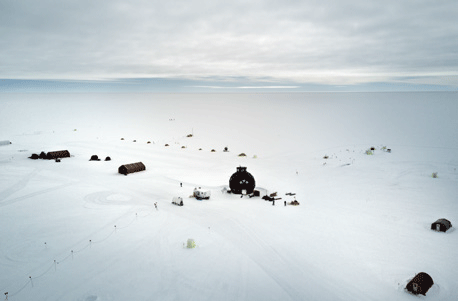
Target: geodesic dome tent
242, 182
441, 225
420, 284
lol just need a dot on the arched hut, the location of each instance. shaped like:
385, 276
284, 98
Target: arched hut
58, 154
420, 284
131, 168
441, 225
242, 182
94, 158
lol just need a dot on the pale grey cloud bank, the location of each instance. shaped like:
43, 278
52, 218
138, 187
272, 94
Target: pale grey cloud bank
289, 42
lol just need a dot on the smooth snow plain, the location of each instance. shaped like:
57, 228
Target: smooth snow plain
78, 230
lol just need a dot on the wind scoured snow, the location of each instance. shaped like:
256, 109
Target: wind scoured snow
78, 230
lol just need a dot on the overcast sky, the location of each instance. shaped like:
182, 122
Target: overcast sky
336, 42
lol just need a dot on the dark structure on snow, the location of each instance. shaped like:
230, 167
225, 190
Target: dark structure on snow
131, 168
441, 225
94, 158
34, 156
242, 182
420, 284
51, 155
58, 154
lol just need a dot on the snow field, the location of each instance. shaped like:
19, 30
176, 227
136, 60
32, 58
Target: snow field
361, 232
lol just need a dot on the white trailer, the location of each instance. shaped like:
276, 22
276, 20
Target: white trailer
201, 194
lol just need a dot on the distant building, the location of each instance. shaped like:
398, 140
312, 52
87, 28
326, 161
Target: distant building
420, 284
58, 154
131, 168
242, 182
201, 194
441, 225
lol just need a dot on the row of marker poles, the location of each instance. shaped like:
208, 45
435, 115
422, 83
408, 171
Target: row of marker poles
56, 262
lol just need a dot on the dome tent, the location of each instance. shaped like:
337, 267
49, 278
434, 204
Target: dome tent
441, 225
420, 284
34, 156
242, 182
94, 158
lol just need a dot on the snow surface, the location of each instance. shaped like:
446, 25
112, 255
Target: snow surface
78, 230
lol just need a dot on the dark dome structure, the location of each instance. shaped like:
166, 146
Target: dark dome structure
441, 225
242, 182
420, 284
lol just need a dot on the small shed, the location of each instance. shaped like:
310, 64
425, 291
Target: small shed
201, 194
94, 158
131, 168
177, 201
441, 225
58, 154
420, 284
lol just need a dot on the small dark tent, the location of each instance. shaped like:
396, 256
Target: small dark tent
242, 182
34, 156
441, 225
58, 154
131, 168
420, 284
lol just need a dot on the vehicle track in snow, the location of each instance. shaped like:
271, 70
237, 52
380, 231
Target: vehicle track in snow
276, 262
6, 202
17, 186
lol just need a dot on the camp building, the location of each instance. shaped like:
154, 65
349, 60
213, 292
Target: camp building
242, 182
58, 154
441, 225
131, 168
420, 284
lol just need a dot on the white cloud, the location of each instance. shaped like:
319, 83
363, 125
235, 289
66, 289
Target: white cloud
301, 41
